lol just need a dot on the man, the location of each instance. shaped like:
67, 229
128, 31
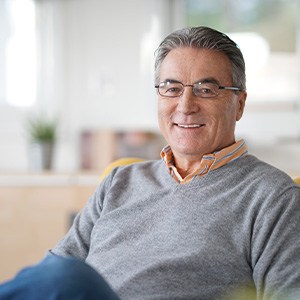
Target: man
208, 219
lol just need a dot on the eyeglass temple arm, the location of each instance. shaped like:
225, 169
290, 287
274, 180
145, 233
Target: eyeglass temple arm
233, 88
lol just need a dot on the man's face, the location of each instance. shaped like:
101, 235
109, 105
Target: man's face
195, 126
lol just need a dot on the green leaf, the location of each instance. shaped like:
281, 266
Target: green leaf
40, 129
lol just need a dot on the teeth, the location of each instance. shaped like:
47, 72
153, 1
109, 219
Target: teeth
189, 126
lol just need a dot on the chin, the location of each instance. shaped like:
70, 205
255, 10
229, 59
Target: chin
189, 151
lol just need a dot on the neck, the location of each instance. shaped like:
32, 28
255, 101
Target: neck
187, 166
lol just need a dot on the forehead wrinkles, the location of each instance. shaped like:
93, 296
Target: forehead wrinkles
190, 63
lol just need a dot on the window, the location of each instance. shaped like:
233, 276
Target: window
266, 31
17, 52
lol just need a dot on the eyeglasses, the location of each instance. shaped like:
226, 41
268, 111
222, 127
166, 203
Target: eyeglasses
209, 89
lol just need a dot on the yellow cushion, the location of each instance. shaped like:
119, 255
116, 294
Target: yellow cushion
119, 162
297, 180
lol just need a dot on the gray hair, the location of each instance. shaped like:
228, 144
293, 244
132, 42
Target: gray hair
204, 38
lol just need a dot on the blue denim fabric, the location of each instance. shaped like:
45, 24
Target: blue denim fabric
57, 278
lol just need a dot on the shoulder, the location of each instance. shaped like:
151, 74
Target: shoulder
258, 183
138, 166
259, 172
269, 188
138, 172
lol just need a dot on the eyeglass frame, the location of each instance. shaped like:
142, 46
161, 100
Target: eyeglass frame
220, 87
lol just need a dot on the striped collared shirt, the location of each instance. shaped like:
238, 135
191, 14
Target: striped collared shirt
208, 162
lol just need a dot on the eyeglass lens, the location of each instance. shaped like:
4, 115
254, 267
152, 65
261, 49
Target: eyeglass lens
175, 89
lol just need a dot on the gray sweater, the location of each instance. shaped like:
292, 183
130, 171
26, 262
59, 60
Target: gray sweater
152, 238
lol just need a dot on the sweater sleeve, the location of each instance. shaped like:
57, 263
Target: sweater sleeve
76, 242
276, 246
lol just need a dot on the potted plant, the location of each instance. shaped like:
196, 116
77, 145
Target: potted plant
42, 135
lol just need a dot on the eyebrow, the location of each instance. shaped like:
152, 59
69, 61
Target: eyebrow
208, 80
172, 80
203, 80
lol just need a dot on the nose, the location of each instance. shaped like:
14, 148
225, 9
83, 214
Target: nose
188, 102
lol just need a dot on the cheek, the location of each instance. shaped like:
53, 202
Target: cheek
162, 117
164, 112
160, 111
229, 118
223, 117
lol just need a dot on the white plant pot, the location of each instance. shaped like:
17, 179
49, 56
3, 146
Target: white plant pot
41, 155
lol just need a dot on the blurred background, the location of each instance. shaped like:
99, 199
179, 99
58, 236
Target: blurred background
88, 66
77, 85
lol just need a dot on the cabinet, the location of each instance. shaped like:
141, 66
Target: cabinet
35, 212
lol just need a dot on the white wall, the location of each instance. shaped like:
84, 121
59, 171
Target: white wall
96, 72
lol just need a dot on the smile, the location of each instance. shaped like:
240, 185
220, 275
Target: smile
189, 125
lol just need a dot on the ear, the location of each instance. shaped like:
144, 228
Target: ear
241, 100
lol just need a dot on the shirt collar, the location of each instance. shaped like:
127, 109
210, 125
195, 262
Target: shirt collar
208, 162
